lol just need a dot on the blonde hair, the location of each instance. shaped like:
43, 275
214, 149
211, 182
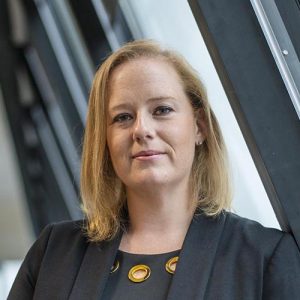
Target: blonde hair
103, 196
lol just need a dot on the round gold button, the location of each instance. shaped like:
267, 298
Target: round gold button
139, 273
171, 264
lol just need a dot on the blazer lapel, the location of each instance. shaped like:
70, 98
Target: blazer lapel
196, 258
94, 270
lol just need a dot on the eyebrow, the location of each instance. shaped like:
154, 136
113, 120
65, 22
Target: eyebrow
160, 98
152, 99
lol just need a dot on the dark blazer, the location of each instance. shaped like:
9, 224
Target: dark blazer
224, 258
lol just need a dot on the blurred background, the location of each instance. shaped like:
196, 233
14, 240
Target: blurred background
246, 53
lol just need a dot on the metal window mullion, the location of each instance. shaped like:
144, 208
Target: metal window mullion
63, 58
106, 25
131, 20
75, 40
57, 164
54, 112
279, 42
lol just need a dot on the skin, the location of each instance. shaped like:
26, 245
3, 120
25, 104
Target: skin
151, 135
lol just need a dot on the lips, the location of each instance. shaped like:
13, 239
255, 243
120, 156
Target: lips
147, 153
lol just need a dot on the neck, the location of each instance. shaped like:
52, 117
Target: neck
159, 220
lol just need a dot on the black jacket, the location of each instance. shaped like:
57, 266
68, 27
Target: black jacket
226, 258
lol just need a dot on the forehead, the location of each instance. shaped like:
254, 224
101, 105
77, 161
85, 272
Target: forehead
144, 73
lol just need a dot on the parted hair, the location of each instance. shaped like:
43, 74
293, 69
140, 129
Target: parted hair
102, 193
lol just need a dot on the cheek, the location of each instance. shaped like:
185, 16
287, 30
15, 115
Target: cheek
118, 149
114, 141
184, 139
112, 147
183, 133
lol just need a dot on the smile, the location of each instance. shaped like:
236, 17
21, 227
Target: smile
147, 155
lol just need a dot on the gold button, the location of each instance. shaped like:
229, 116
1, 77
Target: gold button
115, 267
171, 264
139, 273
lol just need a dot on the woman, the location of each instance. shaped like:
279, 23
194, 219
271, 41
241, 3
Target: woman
155, 191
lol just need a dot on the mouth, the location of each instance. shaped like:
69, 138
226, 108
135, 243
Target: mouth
145, 155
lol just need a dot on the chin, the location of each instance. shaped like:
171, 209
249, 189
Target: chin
142, 181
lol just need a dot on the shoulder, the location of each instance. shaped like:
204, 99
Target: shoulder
66, 234
60, 246
248, 234
249, 227
56, 241
72, 228
55, 232
248, 243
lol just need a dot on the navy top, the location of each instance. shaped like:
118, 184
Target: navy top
155, 287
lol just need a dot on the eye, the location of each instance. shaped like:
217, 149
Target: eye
162, 110
121, 118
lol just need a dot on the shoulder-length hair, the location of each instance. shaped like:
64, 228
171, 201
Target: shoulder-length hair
103, 194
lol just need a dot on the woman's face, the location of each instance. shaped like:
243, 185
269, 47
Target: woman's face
151, 129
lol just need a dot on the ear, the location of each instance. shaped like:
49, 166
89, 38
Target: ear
200, 126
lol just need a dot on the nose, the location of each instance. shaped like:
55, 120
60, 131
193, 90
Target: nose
142, 129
